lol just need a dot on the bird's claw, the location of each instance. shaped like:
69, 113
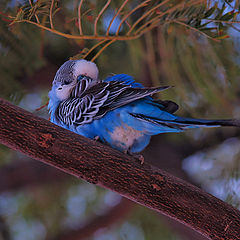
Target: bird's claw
139, 157
96, 138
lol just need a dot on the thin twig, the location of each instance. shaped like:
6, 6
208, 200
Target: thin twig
89, 37
86, 12
36, 16
235, 28
195, 29
149, 24
43, 106
79, 17
153, 25
118, 12
6, 15
145, 15
154, 21
94, 47
221, 21
99, 15
50, 14
102, 49
143, 4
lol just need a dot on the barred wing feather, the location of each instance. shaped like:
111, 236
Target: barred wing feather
90, 103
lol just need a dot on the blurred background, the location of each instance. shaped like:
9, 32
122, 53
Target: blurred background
200, 60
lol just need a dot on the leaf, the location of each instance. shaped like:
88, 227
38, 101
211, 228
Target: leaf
80, 55
220, 26
219, 15
228, 16
205, 24
222, 37
208, 29
210, 11
20, 15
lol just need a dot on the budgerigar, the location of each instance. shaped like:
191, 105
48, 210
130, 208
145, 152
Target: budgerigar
118, 111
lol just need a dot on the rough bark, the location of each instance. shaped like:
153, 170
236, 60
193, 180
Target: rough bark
106, 167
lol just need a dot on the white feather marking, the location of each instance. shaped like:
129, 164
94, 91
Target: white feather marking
87, 68
125, 136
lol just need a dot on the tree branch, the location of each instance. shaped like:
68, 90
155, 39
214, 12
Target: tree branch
109, 168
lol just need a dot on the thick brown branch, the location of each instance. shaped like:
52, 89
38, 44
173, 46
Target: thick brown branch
106, 167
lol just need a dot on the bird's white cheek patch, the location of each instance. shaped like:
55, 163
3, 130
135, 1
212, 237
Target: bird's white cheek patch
125, 136
63, 94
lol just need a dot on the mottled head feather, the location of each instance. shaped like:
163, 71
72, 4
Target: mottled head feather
71, 69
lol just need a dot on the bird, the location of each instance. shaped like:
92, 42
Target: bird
117, 111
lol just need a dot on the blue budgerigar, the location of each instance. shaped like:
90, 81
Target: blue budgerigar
117, 111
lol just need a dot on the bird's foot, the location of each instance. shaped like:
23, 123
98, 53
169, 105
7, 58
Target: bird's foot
97, 138
139, 157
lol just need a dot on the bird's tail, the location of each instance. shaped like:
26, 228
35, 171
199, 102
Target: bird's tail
181, 123
208, 123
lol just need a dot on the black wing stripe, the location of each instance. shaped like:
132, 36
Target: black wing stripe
81, 87
169, 124
90, 101
130, 95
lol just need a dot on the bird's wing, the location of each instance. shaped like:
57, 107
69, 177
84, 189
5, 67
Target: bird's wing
121, 94
126, 79
79, 111
83, 84
95, 101
167, 105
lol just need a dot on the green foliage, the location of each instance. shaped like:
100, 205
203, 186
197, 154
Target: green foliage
19, 55
199, 17
86, 19
205, 73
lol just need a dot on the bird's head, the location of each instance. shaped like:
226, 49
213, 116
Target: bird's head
67, 75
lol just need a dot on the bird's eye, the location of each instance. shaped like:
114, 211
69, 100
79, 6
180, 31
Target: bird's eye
66, 82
